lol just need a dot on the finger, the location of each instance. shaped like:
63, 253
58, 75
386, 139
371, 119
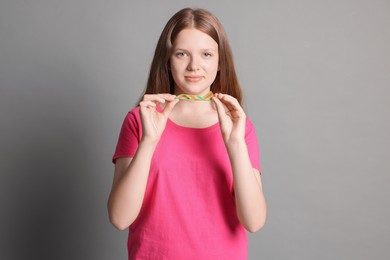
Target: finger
220, 107
168, 97
231, 103
228, 100
159, 97
169, 107
154, 98
227, 108
147, 104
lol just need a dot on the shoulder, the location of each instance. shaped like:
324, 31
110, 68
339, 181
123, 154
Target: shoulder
134, 111
132, 120
133, 115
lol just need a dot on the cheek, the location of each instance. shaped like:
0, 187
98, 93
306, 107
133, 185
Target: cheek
176, 71
212, 67
177, 64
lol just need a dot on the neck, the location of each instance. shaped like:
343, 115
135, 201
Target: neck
194, 106
195, 114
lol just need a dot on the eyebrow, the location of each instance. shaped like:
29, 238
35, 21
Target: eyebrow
184, 49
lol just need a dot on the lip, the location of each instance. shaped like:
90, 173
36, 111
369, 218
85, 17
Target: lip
193, 78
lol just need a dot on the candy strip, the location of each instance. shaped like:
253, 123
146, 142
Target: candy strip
206, 97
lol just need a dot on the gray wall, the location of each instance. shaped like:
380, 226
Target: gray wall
317, 84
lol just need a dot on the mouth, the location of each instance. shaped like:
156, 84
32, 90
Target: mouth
193, 78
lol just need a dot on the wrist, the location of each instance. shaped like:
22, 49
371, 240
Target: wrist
235, 143
149, 141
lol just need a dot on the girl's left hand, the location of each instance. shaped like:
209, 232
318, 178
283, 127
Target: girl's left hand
231, 116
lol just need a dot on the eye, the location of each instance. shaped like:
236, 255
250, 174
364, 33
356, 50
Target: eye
181, 54
207, 54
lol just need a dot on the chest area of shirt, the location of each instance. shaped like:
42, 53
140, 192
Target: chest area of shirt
191, 156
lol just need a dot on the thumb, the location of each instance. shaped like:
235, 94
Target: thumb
169, 107
220, 108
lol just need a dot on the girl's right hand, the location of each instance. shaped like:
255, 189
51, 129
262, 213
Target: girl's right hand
153, 121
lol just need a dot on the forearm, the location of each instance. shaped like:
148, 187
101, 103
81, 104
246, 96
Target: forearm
128, 191
249, 197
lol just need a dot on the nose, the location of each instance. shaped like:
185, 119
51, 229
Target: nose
193, 64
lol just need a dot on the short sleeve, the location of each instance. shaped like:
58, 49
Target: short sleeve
129, 136
252, 145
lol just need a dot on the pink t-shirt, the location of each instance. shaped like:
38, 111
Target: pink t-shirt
188, 210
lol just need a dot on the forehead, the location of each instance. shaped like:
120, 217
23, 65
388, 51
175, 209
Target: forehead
194, 38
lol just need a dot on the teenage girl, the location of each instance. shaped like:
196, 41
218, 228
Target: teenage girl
187, 178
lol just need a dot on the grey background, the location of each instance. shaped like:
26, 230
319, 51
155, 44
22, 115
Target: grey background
316, 81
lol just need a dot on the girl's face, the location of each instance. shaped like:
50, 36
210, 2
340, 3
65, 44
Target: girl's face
193, 62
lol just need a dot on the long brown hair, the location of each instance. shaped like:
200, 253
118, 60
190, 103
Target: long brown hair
160, 79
